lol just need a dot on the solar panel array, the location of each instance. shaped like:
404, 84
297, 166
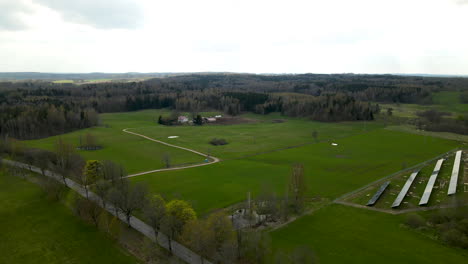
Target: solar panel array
405, 189
430, 184
378, 194
454, 179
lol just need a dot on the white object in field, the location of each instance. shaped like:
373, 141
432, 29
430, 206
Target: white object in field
430, 183
173, 137
453, 180
334, 144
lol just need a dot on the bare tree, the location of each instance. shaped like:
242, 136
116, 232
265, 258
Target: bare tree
101, 188
297, 187
166, 160
131, 198
64, 153
112, 171
315, 135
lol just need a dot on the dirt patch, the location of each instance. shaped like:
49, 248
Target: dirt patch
233, 120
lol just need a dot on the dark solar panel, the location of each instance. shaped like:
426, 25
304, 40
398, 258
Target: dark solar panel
377, 195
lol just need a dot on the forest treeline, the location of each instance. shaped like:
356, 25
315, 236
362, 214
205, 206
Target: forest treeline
35, 109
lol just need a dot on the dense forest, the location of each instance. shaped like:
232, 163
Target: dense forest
34, 109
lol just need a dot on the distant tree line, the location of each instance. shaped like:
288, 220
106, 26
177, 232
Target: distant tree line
34, 109
30, 121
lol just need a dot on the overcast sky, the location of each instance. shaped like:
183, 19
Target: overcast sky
332, 36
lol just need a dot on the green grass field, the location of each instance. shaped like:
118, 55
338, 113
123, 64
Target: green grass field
138, 154
36, 230
64, 81
341, 234
330, 171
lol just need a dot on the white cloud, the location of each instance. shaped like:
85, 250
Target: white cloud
424, 36
11, 13
105, 14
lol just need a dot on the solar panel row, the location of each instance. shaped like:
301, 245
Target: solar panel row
430, 184
454, 179
378, 194
404, 190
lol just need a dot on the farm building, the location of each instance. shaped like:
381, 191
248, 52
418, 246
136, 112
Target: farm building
182, 119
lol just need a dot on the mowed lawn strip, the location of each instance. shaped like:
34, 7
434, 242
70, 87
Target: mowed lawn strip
36, 230
330, 171
341, 234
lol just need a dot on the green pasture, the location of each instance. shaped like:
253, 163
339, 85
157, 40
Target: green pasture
331, 171
341, 234
34, 229
135, 153
138, 154
64, 81
267, 133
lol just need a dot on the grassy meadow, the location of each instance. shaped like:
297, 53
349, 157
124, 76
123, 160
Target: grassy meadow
341, 234
34, 229
365, 152
330, 171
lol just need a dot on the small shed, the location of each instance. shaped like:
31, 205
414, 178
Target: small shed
182, 119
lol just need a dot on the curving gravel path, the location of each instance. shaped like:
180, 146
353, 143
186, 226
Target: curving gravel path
212, 159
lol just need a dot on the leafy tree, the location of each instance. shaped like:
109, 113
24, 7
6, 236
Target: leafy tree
91, 173
179, 213
222, 228
198, 120
198, 236
155, 212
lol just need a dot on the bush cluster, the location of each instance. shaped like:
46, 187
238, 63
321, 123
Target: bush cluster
218, 141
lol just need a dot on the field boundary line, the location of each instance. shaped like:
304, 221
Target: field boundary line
211, 159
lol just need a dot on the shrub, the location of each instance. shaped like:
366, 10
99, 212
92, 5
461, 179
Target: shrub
415, 221
455, 238
218, 142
